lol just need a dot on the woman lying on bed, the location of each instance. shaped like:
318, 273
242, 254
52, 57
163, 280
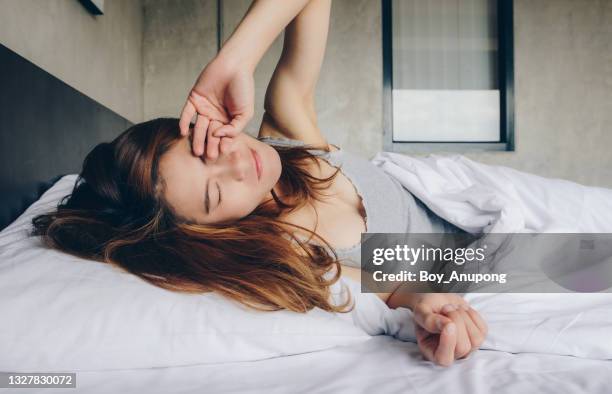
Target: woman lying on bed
264, 221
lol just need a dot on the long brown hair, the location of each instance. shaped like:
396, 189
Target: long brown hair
116, 214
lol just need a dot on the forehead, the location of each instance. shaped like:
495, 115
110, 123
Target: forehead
180, 150
183, 175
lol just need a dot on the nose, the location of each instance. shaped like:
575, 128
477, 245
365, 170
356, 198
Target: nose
234, 163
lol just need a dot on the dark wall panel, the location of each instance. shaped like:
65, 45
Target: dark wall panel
46, 129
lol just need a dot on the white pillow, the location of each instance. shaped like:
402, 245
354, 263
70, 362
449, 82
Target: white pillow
62, 313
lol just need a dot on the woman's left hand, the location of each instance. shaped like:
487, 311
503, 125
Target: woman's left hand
215, 146
222, 101
446, 327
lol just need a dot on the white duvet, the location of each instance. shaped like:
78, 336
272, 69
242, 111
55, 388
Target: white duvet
577, 325
481, 198
380, 365
484, 198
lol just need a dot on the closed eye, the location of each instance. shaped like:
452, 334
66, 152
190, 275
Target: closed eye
207, 200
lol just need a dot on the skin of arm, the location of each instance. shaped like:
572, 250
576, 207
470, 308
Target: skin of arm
262, 23
394, 299
290, 99
223, 95
443, 334
289, 102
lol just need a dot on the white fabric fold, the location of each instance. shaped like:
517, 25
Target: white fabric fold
481, 198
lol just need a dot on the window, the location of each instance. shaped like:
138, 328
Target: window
448, 75
96, 7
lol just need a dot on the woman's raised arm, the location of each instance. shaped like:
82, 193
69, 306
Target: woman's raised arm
224, 91
289, 102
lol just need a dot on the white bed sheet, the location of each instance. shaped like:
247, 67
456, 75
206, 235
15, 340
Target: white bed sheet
380, 365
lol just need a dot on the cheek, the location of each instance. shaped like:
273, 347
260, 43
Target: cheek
273, 166
242, 202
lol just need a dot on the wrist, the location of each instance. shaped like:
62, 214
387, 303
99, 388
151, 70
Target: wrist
407, 295
404, 299
230, 60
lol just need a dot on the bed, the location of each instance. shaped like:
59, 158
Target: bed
381, 365
540, 343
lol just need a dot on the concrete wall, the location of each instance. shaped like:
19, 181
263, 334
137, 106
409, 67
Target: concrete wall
349, 92
180, 37
563, 82
563, 78
101, 56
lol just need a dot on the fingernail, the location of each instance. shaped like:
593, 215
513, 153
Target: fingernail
450, 328
448, 308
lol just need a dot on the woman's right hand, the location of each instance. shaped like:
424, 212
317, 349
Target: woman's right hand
223, 101
447, 327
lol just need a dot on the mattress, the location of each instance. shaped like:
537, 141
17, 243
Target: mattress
380, 365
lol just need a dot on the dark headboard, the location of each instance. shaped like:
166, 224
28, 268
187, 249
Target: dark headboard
46, 129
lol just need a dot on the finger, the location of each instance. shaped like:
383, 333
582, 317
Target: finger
212, 146
445, 353
186, 116
199, 134
235, 127
426, 343
463, 304
226, 131
478, 320
463, 345
421, 333
226, 144
429, 320
240, 121
474, 333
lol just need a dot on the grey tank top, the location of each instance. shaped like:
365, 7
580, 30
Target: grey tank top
389, 206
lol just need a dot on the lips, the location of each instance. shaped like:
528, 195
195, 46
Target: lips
257, 160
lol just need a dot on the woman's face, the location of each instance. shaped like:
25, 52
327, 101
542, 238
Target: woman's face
227, 188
